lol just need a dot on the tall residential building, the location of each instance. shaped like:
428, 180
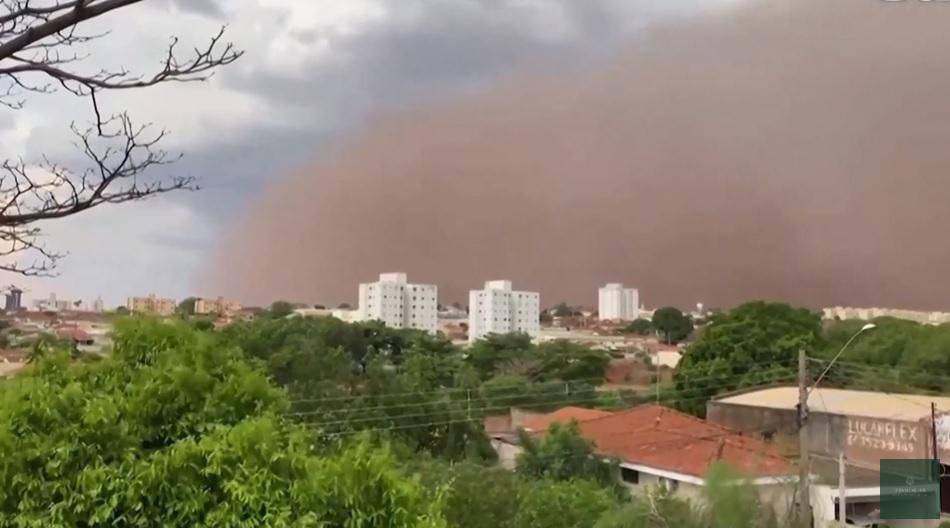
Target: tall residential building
152, 304
399, 304
499, 310
98, 306
14, 300
219, 306
616, 303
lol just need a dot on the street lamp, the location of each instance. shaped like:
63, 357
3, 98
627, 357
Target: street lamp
865, 328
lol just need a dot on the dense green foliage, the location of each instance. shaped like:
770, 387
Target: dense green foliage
562, 504
756, 343
287, 422
475, 496
727, 503
897, 355
416, 387
671, 324
640, 326
175, 429
279, 309
563, 454
187, 306
562, 310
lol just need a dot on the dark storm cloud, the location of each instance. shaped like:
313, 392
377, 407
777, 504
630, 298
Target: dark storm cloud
440, 50
444, 49
793, 149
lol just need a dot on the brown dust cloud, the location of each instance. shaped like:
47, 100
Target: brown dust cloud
795, 150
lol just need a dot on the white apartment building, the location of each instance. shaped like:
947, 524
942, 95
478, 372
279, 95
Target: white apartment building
399, 304
616, 303
219, 306
868, 314
499, 310
152, 304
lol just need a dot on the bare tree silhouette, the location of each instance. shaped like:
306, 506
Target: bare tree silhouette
39, 54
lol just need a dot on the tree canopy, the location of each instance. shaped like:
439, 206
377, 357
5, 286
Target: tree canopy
176, 430
755, 343
640, 326
672, 325
897, 355
187, 306
563, 454
299, 422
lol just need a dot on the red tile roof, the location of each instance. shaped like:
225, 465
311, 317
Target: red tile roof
563, 415
661, 438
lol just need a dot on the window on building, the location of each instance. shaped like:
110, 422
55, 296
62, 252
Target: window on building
630, 476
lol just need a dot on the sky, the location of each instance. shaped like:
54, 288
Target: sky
702, 150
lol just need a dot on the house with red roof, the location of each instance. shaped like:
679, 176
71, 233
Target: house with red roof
658, 446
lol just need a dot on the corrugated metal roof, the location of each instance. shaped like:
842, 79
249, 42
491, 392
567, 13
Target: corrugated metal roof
883, 405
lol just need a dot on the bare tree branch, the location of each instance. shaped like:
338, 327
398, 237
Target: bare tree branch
37, 56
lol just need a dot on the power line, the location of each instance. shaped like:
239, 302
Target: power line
446, 390
774, 378
886, 369
494, 408
553, 389
458, 390
598, 380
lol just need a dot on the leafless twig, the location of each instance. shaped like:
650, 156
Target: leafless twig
39, 55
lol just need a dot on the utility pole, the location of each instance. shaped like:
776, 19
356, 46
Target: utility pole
804, 506
933, 428
842, 501
933, 439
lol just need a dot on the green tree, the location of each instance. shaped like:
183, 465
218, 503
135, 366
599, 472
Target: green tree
562, 310
640, 326
174, 429
353, 377
727, 501
475, 496
488, 354
186, 307
756, 343
656, 509
672, 324
897, 355
562, 504
563, 454
280, 309
564, 360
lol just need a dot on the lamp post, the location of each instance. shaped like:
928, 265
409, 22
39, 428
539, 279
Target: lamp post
803, 392
865, 328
